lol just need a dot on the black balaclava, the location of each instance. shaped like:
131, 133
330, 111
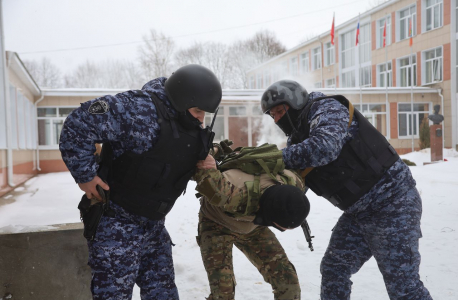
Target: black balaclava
285, 205
187, 120
288, 122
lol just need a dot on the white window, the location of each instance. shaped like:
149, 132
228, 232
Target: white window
29, 121
348, 79
405, 114
316, 58
50, 122
329, 54
259, 81
365, 77
384, 74
317, 85
405, 71
348, 59
13, 112
304, 62
407, 16
434, 13
365, 46
3, 123
330, 83
266, 78
375, 114
381, 28
276, 74
432, 63
251, 83
218, 126
294, 66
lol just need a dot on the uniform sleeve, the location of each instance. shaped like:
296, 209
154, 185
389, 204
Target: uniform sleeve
217, 189
328, 130
96, 121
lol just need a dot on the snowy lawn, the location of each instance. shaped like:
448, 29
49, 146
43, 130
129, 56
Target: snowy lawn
52, 199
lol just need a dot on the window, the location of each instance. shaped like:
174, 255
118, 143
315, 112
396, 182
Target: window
50, 122
365, 78
304, 62
13, 112
365, 40
218, 126
251, 83
348, 79
237, 111
330, 83
316, 58
432, 60
259, 81
266, 78
317, 85
20, 99
380, 29
406, 16
329, 54
433, 14
384, 75
406, 72
3, 123
294, 66
276, 74
375, 114
405, 114
348, 59
284, 69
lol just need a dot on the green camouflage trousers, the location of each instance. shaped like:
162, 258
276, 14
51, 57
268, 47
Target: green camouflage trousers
260, 246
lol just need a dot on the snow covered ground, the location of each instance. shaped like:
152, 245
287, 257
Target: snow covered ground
52, 199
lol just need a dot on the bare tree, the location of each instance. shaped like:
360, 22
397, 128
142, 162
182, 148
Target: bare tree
156, 55
44, 72
265, 44
86, 75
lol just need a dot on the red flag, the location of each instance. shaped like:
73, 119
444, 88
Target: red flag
384, 35
357, 32
332, 30
410, 33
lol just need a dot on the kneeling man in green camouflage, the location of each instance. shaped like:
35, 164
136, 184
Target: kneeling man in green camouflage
236, 208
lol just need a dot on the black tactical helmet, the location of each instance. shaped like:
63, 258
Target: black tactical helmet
286, 205
193, 86
284, 91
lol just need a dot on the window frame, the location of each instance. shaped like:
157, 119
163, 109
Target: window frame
304, 62
316, 58
52, 119
266, 78
380, 23
386, 73
373, 114
399, 68
347, 59
424, 62
330, 83
259, 80
408, 122
439, 4
330, 54
412, 16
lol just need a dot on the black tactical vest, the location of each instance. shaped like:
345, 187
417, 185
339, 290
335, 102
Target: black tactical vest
148, 184
359, 166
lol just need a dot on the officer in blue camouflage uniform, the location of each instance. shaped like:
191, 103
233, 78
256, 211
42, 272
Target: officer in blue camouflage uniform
156, 139
357, 170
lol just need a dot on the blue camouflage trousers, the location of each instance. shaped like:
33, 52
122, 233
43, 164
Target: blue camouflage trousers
129, 249
391, 235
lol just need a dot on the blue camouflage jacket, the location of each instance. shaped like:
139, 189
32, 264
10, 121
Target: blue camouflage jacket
128, 121
329, 132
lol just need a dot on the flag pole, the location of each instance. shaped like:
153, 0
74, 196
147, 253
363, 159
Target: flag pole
359, 66
411, 86
387, 108
335, 52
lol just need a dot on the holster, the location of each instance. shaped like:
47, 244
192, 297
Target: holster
91, 212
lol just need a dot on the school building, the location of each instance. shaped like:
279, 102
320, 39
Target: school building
382, 81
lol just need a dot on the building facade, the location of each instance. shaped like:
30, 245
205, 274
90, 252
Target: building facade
383, 81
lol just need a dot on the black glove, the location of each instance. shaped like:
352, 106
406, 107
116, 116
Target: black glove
223, 148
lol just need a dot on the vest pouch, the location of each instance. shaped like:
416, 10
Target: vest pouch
181, 183
142, 174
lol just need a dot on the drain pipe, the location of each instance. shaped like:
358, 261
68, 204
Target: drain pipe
36, 131
443, 126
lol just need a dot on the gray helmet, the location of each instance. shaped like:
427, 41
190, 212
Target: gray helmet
284, 91
194, 86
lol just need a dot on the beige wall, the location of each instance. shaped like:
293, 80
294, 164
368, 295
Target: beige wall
16, 82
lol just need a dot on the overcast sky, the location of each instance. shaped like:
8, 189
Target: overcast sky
37, 28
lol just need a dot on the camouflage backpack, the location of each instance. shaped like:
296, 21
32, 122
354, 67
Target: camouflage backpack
264, 159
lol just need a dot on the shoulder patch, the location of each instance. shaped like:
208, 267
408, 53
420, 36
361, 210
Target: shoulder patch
314, 123
98, 107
